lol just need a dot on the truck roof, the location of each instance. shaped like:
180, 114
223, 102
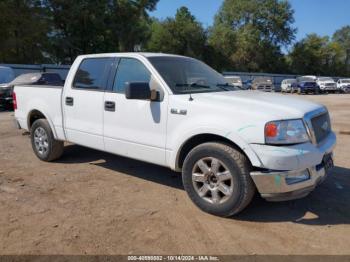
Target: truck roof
145, 54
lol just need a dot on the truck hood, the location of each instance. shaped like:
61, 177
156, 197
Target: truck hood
326, 82
267, 105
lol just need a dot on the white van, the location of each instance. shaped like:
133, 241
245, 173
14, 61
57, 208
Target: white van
286, 85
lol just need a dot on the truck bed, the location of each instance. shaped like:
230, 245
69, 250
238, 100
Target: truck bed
46, 99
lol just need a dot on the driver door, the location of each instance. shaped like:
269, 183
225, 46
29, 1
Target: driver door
134, 128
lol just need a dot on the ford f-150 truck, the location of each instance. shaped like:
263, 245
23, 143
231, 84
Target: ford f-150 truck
177, 112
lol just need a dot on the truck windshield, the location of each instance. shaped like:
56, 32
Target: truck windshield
186, 75
305, 79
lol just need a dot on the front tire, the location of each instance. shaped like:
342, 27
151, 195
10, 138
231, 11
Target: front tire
217, 179
44, 145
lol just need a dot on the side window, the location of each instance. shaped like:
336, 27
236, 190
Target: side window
93, 73
130, 70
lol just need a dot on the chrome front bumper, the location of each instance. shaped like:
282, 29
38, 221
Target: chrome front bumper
283, 186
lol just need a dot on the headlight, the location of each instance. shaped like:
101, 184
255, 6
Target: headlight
286, 132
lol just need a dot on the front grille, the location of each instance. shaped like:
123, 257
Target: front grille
330, 84
321, 125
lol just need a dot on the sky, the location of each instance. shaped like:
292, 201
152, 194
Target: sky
323, 17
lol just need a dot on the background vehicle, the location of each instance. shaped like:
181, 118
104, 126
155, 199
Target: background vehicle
343, 85
6, 75
6, 90
286, 85
6, 98
263, 83
177, 112
326, 84
247, 84
304, 85
42, 78
235, 81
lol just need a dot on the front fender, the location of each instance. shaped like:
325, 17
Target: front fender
177, 142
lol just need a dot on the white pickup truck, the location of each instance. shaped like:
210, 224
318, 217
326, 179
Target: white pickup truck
177, 112
326, 84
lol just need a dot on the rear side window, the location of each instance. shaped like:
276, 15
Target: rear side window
50, 79
93, 73
130, 70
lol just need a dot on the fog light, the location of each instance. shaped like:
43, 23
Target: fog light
298, 177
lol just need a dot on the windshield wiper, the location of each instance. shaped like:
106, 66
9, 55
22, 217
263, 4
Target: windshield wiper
230, 87
193, 85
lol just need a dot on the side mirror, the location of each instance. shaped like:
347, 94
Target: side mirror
140, 91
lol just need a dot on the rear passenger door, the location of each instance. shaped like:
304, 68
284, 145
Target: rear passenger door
83, 102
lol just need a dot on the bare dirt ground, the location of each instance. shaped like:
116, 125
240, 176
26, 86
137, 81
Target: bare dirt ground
92, 202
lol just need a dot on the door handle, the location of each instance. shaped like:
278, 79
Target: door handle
110, 106
69, 101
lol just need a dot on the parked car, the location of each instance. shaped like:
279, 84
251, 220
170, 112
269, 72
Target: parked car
6, 99
40, 78
235, 81
304, 85
227, 142
263, 83
286, 85
326, 84
343, 85
6, 75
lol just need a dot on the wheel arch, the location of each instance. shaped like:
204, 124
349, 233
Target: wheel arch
198, 139
36, 114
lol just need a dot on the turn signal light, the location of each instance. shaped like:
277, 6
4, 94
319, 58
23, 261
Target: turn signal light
271, 130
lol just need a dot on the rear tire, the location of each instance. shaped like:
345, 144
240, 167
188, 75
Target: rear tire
44, 145
217, 179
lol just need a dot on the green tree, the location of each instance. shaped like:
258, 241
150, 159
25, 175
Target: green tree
251, 33
316, 55
95, 26
23, 30
342, 37
180, 35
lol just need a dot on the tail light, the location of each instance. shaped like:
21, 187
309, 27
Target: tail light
14, 101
